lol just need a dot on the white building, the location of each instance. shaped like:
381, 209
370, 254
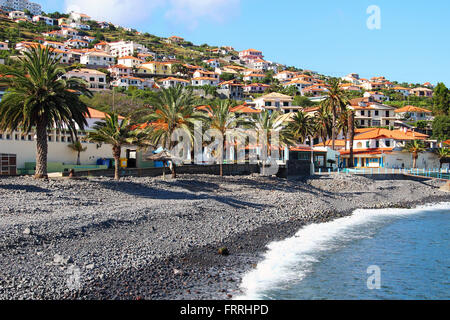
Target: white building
205, 81
130, 61
24, 145
22, 5
372, 114
96, 80
173, 82
47, 20
126, 48
95, 58
129, 81
414, 113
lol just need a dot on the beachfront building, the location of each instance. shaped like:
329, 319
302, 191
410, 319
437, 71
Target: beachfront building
96, 80
412, 113
59, 154
383, 148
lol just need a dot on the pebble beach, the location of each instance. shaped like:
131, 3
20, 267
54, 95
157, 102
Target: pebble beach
149, 238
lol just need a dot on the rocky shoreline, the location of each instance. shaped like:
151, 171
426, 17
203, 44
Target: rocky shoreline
146, 238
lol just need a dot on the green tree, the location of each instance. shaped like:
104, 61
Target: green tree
441, 128
173, 109
78, 148
223, 120
443, 154
441, 100
336, 101
113, 131
37, 98
415, 147
301, 127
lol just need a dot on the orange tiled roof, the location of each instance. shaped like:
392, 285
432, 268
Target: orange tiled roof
412, 109
379, 133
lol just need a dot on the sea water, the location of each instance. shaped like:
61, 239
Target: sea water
373, 254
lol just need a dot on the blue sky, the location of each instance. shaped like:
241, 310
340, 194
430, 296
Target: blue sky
328, 36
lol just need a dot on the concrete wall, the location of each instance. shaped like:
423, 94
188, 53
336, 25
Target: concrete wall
228, 169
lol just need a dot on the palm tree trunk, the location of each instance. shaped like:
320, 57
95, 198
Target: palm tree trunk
415, 160
333, 130
351, 131
174, 170
41, 151
78, 159
116, 154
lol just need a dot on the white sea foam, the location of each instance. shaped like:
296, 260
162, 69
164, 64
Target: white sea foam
289, 261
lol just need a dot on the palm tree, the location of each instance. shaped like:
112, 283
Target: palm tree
78, 148
39, 99
173, 109
343, 124
223, 120
351, 136
323, 123
336, 101
301, 127
115, 132
415, 147
268, 124
442, 154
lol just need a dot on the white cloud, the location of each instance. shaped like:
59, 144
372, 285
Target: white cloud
129, 12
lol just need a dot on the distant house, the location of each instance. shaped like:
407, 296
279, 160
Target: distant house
126, 48
414, 113
95, 58
155, 68
402, 90
422, 92
251, 54
203, 73
274, 101
14, 15
254, 76
95, 79
118, 71
255, 88
299, 84
129, 81
376, 95
353, 78
74, 43
130, 61
285, 76
81, 17
47, 20
213, 63
172, 82
175, 39
231, 90
204, 81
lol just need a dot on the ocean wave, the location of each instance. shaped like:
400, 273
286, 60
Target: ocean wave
290, 261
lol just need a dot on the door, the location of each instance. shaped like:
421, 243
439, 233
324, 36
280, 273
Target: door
132, 158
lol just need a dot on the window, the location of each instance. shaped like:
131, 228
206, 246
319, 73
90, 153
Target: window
388, 143
377, 144
363, 112
376, 113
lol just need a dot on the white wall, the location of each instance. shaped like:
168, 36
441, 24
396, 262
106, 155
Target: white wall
57, 152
